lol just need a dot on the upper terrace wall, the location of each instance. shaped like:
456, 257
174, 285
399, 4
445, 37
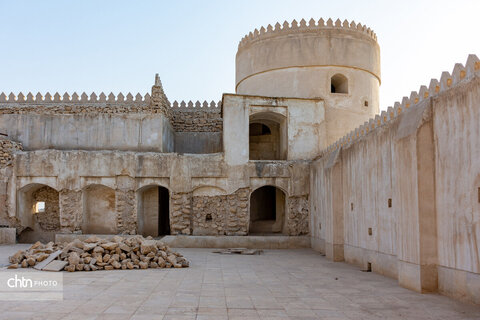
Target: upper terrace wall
70, 123
402, 191
302, 121
198, 127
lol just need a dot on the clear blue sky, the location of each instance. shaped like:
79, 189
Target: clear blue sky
119, 45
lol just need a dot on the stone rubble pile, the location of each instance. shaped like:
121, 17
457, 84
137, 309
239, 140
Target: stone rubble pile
100, 254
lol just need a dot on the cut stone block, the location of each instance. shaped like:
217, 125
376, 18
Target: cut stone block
55, 265
44, 263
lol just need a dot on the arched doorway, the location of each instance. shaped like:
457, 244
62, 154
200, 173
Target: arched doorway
267, 210
38, 212
153, 211
99, 212
267, 136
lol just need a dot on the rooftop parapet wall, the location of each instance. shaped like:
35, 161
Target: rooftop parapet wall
460, 74
157, 102
197, 106
197, 117
74, 103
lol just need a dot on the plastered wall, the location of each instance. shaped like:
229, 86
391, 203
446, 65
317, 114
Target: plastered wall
403, 194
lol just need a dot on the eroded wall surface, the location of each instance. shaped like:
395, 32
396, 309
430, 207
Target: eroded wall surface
101, 191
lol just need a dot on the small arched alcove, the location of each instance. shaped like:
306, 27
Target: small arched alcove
99, 212
267, 136
339, 84
267, 210
38, 212
153, 211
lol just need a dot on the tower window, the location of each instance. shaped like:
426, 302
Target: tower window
365, 103
339, 84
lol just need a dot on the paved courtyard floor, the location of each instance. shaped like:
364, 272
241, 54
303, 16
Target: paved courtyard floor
280, 284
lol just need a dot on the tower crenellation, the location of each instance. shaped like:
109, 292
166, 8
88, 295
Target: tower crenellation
303, 26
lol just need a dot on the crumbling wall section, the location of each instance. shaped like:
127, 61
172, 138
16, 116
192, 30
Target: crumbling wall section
222, 214
7, 151
49, 219
71, 206
197, 117
180, 214
125, 203
297, 215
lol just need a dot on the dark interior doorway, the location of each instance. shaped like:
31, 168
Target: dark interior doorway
163, 211
267, 210
153, 211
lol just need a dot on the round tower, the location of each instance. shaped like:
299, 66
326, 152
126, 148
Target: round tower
338, 62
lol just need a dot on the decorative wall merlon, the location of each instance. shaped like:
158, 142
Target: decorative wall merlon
198, 106
73, 99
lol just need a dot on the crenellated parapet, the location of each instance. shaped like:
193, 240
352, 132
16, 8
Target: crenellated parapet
302, 27
460, 74
74, 103
198, 106
197, 116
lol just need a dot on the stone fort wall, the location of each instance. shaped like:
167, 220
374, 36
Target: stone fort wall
400, 194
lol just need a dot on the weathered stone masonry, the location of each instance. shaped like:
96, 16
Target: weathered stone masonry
221, 215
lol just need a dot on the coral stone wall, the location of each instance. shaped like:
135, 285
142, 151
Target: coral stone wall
180, 212
49, 220
7, 148
297, 218
197, 117
71, 210
220, 215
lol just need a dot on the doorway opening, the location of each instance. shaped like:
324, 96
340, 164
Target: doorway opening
267, 210
153, 218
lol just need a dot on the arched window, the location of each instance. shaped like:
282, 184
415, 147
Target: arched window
267, 137
339, 84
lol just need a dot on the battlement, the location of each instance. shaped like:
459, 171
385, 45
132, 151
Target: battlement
197, 117
303, 26
198, 106
460, 74
75, 104
72, 99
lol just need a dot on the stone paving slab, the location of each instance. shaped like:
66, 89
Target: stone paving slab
279, 284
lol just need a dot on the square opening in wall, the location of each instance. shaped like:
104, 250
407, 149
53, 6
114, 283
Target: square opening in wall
208, 217
390, 203
370, 232
369, 267
39, 207
365, 103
